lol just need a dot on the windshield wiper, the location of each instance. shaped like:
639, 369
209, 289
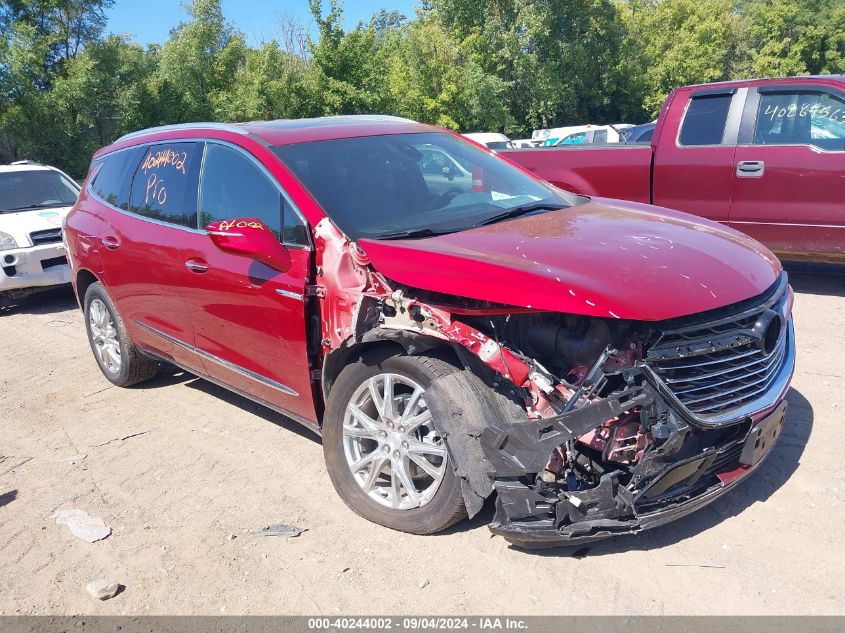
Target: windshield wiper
37, 206
412, 233
505, 215
522, 210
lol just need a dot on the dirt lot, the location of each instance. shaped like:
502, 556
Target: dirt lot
199, 469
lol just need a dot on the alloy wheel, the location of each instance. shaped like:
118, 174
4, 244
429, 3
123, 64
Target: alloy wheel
104, 336
395, 453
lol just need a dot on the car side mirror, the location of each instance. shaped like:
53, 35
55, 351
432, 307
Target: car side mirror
250, 237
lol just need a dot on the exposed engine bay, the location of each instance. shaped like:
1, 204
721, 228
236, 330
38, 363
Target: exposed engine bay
627, 424
612, 448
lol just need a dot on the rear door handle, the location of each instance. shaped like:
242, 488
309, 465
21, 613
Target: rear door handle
750, 168
197, 266
111, 242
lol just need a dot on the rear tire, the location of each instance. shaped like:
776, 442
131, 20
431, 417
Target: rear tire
435, 509
114, 351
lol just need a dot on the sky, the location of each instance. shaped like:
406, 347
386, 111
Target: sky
150, 21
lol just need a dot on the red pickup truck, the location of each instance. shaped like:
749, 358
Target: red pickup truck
766, 157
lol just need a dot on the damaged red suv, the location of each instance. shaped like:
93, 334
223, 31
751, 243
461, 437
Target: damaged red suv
452, 326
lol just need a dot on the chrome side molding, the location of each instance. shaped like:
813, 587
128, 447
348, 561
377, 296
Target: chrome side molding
220, 361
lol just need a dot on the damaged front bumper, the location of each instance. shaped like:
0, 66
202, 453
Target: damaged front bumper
531, 519
532, 513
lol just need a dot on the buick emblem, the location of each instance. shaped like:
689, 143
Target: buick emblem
767, 331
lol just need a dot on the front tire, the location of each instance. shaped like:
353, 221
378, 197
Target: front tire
384, 452
114, 351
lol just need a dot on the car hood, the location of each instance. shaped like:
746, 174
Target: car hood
21, 223
604, 258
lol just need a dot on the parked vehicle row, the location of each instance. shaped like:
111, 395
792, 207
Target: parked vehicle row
451, 324
492, 140
639, 133
581, 135
766, 157
572, 135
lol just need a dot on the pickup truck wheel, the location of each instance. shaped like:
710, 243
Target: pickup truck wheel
114, 351
384, 453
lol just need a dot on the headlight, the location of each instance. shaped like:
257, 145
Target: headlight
7, 242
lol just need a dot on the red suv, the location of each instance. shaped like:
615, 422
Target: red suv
450, 324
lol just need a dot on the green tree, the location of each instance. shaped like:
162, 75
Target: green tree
39, 41
270, 84
681, 42
198, 64
792, 37
561, 60
53, 30
346, 73
101, 95
470, 65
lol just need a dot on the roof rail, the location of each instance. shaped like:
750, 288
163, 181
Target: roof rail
204, 125
25, 162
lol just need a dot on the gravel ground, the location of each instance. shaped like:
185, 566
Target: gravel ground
183, 471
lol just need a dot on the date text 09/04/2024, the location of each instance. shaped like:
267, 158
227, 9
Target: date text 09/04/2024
418, 623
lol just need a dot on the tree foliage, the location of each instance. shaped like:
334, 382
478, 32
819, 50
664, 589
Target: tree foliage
67, 88
679, 42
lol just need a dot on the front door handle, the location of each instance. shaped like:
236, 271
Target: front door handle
111, 242
197, 266
750, 168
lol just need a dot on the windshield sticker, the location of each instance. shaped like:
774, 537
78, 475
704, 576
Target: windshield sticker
816, 110
173, 161
47, 214
156, 191
495, 195
164, 158
226, 225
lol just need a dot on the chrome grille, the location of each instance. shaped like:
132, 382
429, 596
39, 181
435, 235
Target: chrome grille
715, 367
50, 236
717, 382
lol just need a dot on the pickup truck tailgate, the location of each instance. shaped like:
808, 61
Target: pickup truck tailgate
612, 171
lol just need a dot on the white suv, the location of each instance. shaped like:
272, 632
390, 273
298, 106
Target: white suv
34, 200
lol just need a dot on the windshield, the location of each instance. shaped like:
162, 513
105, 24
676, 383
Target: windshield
499, 145
35, 189
384, 186
638, 133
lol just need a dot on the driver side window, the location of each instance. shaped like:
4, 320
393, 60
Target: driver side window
233, 187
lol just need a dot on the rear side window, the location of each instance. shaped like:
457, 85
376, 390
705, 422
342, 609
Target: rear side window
801, 118
234, 187
114, 177
704, 123
165, 183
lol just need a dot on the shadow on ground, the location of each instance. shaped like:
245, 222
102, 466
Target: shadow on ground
7, 497
171, 375
817, 279
51, 301
167, 375
760, 485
